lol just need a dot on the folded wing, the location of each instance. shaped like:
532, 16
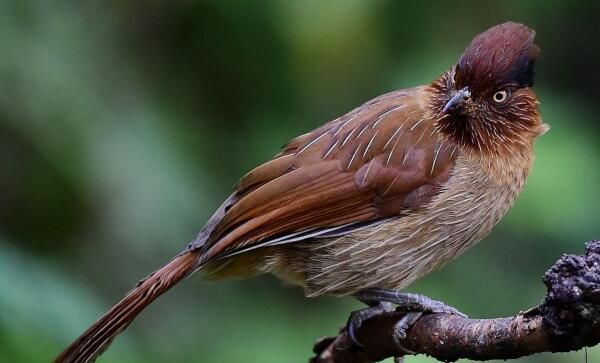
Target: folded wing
379, 161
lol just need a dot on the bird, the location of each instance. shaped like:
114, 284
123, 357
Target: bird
370, 202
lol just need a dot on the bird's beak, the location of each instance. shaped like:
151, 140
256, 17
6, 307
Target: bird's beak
457, 100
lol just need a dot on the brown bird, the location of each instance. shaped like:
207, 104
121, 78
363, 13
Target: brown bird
375, 199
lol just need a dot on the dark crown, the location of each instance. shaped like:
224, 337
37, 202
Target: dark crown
502, 55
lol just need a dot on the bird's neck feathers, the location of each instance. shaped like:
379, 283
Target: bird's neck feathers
501, 145
491, 133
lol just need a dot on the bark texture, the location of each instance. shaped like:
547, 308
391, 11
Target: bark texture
567, 319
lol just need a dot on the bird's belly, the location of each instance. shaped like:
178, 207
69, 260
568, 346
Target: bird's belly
386, 259
395, 253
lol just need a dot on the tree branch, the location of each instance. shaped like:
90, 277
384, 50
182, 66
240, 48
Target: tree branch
568, 319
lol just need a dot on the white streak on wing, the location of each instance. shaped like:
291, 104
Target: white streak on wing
417, 124
362, 131
392, 152
354, 117
437, 153
282, 156
421, 137
391, 184
392, 137
370, 143
330, 150
353, 156
367, 172
348, 137
406, 152
343, 124
310, 143
382, 116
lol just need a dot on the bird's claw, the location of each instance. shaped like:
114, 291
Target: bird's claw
402, 326
406, 302
413, 305
438, 307
358, 317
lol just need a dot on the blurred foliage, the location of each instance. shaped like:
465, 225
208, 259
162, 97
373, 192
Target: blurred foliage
123, 125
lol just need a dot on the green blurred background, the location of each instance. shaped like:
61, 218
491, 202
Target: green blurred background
123, 125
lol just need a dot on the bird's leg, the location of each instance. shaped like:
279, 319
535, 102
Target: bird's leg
406, 302
414, 305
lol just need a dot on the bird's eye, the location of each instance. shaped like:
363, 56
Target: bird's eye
500, 96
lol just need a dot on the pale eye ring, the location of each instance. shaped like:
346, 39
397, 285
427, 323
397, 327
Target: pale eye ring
500, 96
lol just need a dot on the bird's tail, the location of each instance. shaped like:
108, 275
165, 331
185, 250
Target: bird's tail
99, 336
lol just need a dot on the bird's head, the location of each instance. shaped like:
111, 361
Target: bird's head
485, 102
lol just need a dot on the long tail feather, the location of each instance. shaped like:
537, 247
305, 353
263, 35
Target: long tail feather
99, 336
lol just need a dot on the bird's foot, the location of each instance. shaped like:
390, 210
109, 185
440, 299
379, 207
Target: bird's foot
358, 317
413, 305
407, 302
404, 324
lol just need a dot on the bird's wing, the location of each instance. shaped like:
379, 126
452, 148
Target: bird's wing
379, 161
